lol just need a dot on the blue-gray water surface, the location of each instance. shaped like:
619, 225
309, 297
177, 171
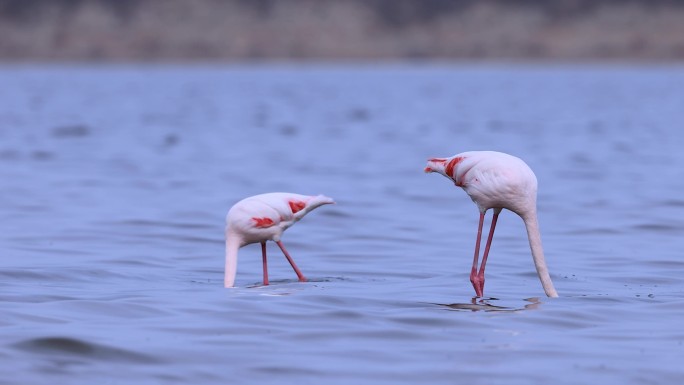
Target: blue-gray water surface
115, 182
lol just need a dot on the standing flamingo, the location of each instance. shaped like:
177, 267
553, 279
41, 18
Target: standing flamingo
495, 180
261, 218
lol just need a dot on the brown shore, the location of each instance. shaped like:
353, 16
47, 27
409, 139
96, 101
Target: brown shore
300, 30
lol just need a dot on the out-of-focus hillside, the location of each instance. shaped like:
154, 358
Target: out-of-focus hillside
340, 29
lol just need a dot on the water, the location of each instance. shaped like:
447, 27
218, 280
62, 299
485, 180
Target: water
116, 181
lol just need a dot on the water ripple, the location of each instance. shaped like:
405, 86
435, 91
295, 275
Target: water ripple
58, 347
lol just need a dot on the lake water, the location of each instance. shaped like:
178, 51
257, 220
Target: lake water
115, 182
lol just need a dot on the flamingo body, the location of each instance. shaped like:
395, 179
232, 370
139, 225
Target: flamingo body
497, 181
262, 218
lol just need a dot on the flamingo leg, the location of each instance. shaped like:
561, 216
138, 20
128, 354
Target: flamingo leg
474, 277
480, 274
263, 258
289, 259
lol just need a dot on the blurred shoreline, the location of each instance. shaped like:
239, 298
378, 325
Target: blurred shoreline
246, 31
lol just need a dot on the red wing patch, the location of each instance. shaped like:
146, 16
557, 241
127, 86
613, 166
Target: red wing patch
296, 206
449, 169
263, 222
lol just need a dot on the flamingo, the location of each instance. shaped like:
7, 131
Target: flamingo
497, 181
262, 218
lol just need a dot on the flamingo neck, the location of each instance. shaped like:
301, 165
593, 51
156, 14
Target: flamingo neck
532, 226
233, 244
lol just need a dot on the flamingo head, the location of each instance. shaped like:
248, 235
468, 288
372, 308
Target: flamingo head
445, 166
436, 165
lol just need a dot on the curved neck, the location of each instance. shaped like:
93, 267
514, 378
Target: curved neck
532, 226
232, 246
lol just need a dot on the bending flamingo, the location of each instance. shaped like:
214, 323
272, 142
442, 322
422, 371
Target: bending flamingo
497, 181
262, 218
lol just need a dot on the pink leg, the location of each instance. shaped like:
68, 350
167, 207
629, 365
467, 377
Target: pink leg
263, 258
289, 259
474, 278
481, 273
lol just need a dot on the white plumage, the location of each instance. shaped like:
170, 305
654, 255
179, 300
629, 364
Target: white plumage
262, 218
497, 181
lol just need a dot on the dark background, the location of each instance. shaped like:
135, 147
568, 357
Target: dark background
299, 30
